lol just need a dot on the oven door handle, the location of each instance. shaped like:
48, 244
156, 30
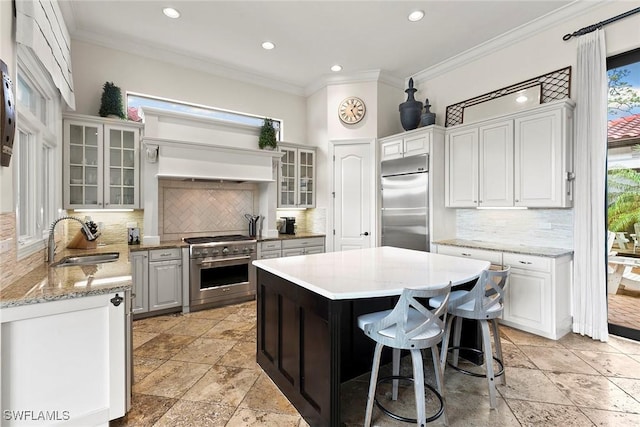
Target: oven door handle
224, 261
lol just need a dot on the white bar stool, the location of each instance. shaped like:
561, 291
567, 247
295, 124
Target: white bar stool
484, 304
408, 326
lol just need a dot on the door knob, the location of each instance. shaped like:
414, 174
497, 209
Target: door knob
366, 233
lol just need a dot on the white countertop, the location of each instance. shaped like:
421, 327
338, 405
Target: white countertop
373, 272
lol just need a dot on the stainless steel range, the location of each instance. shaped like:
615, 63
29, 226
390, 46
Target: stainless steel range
221, 270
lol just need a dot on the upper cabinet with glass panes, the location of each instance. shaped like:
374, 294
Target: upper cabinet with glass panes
101, 163
296, 177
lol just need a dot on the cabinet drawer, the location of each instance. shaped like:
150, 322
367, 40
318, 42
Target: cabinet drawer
271, 245
314, 250
493, 257
527, 262
164, 254
301, 243
270, 254
292, 252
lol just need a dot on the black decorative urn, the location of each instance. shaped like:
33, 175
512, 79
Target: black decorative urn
411, 109
428, 118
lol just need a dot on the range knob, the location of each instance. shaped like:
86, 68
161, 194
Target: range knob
225, 250
215, 252
245, 250
236, 250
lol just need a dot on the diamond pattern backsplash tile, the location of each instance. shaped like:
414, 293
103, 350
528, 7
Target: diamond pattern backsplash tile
204, 208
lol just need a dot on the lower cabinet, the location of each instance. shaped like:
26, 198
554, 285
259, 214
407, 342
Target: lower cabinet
290, 247
66, 361
538, 294
157, 280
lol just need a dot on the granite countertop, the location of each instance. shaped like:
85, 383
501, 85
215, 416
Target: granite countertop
162, 245
372, 272
516, 249
298, 235
46, 283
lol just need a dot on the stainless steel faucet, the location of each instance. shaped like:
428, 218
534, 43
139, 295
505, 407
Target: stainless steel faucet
52, 240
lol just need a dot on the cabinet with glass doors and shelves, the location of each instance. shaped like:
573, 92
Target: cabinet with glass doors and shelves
101, 163
296, 177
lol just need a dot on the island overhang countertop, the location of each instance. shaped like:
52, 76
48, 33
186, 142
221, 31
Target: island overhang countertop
373, 272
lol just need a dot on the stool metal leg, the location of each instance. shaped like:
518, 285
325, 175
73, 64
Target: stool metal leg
488, 362
445, 343
372, 384
498, 349
437, 367
396, 372
418, 384
457, 332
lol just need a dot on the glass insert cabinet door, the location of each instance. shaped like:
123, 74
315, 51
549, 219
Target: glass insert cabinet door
296, 178
121, 166
83, 164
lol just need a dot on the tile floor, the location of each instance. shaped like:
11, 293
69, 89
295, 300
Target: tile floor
199, 369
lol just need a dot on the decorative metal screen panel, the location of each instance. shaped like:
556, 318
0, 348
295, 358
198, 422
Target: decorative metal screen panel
555, 85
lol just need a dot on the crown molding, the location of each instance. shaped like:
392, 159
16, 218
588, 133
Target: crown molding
516, 35
380, 76
151, 51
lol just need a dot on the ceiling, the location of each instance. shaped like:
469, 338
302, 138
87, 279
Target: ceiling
224, 37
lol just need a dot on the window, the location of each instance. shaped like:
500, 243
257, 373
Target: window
136, 101
35, 180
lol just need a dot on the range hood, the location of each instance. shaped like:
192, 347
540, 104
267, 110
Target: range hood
195, 160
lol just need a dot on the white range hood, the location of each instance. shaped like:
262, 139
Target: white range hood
183, 160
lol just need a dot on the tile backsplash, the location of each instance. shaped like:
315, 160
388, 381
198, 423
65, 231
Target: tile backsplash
307, 220
532, 227
198, 208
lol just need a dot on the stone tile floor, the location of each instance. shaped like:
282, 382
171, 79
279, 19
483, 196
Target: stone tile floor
624, 309
199, 369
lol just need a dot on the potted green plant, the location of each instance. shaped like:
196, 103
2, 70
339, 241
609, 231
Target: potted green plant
111, 102
267, 138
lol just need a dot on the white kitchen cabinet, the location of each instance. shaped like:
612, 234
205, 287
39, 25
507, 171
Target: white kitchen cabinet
405, 145
140, 278
157, 280
269, 249
297, 177
67, 357
521, 159
101, 163
538, 296
543, 159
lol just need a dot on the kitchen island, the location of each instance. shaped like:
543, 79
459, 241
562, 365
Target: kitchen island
308, 339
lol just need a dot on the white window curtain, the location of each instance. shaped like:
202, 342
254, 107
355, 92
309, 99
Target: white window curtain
40, 26
589, 261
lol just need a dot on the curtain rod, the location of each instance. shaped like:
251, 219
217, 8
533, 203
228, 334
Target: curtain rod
591, 28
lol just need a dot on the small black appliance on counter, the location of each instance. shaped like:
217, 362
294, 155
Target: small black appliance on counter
288, 225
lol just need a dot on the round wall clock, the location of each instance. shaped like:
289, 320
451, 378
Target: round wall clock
351, 110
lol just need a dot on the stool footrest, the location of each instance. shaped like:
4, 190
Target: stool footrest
404, 419
475, 374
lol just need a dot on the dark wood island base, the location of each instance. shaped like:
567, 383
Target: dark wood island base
309, 344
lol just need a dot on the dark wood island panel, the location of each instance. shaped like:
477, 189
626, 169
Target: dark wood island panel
309, 344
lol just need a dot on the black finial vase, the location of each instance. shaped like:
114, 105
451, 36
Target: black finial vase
428, 118
410, 109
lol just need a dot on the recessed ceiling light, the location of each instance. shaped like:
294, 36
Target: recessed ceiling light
416, 15
268, 45
171, 12
521, 99
336, 68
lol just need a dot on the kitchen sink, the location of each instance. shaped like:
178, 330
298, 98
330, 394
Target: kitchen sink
88, 259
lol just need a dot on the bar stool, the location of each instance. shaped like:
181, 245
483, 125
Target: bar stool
408, 326
484, 304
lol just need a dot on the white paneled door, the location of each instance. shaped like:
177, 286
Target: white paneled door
353, 185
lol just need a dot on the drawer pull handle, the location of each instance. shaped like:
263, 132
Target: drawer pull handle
525, 262
463, 254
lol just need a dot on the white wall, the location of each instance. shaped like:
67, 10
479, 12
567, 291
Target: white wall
8, 55
539, 54
389, 99
94, 65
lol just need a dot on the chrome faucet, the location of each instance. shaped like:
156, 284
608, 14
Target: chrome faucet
52, 240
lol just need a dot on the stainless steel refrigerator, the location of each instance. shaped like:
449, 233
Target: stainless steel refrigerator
405, 202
